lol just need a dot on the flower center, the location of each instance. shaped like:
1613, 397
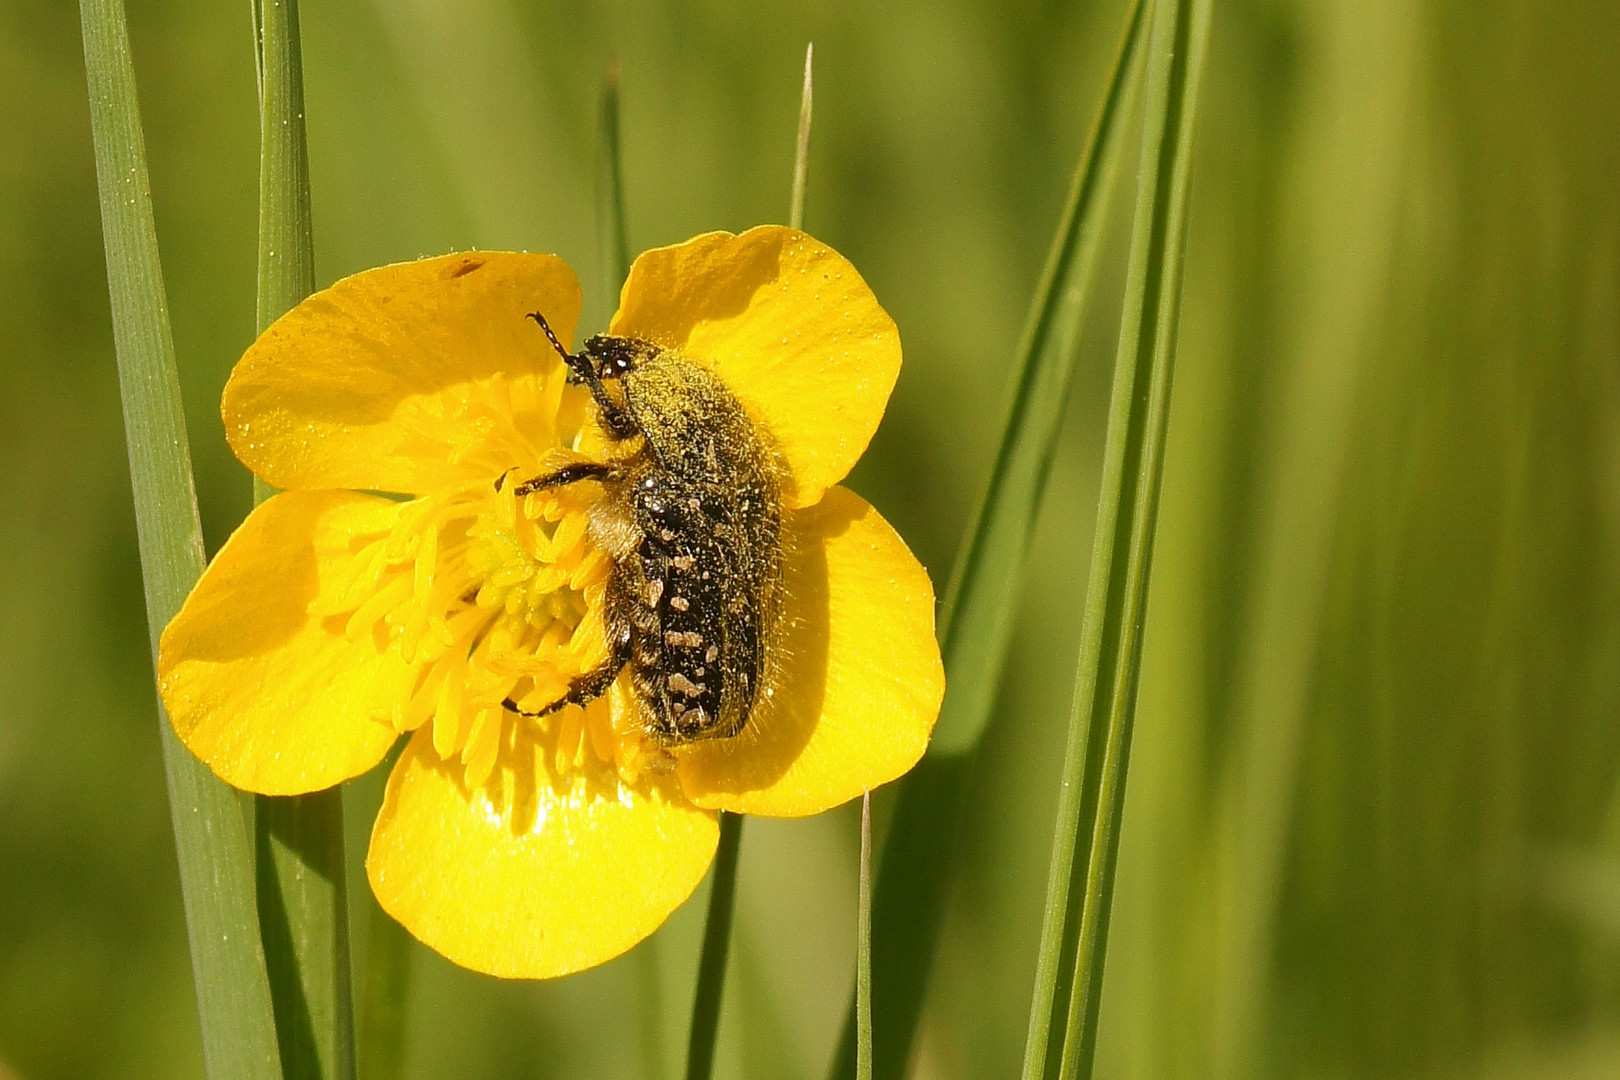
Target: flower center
487, 597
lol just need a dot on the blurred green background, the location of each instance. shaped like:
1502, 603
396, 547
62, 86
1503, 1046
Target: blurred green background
1373, 823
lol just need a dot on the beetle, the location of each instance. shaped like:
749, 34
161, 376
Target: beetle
691, 517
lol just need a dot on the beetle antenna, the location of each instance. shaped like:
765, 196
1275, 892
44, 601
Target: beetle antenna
555, 344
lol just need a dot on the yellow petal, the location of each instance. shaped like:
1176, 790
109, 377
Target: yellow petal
860, 681
788, 325
533, 874
377, 382
272, 698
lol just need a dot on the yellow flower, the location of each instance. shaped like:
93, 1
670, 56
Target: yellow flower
394, 586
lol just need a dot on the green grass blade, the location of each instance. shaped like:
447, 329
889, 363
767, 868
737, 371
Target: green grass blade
303, 902
976, 623
381, 1050
1074, 932
863, 950
711, 979
801, 155
303, 919
384, 991
286, 244
233, 995
256, 10
612, 240
915, 871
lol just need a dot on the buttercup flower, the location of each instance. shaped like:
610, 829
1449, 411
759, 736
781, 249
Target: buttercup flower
401, 583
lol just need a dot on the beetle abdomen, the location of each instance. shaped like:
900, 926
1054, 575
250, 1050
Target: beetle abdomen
703, 582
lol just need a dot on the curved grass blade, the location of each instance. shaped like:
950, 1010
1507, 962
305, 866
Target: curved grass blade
1074, 933
976, 623
303, 902
919, 854
233, 994
717, 925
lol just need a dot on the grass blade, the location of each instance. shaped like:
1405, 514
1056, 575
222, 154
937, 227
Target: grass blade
303, 902
919, 853
1074, 933
612, 243
976, 623
863, 950
286, 245
233, 995
385, 988
303, 920
711, 979
381, 1049
801, 155
717, 925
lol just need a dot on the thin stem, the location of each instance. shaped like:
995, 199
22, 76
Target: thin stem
863, 950
613, 246
233, 993
801, 155
716, 947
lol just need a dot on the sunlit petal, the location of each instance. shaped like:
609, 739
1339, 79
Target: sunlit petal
408, 377
272, 696
790, 327
535, 873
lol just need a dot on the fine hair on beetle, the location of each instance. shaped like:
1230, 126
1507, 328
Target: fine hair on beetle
691, 518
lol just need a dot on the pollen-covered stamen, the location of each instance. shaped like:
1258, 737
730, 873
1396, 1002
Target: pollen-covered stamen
490, 597
482, 426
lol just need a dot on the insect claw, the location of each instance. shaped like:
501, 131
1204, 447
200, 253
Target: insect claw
508, 703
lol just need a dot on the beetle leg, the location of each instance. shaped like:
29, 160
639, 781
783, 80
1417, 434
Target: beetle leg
571, 473
589, 686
